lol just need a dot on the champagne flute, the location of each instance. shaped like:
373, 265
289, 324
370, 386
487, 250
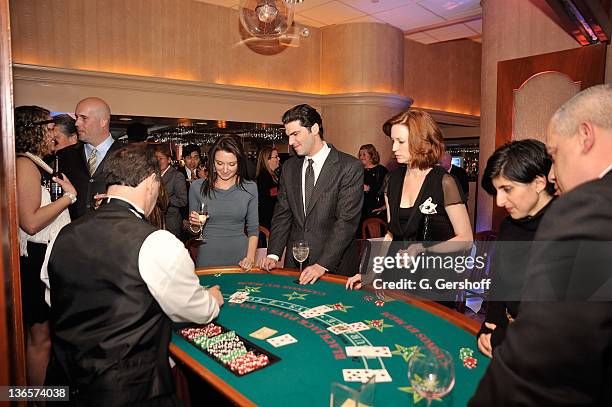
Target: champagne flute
202, 217
300, 252
431, 375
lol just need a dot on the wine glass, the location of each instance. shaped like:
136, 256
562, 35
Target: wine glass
300, 252
431, 375
202, 217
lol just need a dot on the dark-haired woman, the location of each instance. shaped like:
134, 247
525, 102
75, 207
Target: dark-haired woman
373, 179
232, 208
39, 221
268, 163
516, 175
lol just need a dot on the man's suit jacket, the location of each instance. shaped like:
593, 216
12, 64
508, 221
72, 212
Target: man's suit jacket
174, 183
462, 177
332, 215
558, 352
73, 163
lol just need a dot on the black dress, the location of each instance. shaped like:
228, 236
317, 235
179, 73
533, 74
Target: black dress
267, 189
508, 272
427, 222
411, 224
373, 199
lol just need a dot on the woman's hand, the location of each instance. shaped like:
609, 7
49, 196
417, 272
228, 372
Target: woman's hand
194, 219
484, 341
247, 263
354, 283
66, 184
366, 188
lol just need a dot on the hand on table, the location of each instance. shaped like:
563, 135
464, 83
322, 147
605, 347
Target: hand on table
247, 263
311, 274
354, 283
215, 291
267, 263
484, 341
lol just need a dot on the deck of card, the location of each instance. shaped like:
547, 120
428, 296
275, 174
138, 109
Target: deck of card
315, 312
282, 340
369, 351
363, 375
239, 297
263, 333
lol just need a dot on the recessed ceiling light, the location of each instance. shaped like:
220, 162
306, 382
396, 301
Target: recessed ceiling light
125, 119
202, 123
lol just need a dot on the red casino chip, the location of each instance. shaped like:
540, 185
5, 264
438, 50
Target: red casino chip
470, 362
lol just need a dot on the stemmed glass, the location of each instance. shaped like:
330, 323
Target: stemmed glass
300, 252
431, 375
202, 217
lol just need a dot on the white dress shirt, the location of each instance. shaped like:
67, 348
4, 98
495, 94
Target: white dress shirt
167, 269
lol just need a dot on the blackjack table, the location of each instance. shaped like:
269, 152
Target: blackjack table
301, 373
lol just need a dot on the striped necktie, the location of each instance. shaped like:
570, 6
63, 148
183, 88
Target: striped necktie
91, 162
309, 182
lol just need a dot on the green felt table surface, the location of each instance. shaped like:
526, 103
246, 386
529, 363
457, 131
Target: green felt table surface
304, 375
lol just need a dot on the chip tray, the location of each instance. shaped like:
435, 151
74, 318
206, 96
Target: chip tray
237, 354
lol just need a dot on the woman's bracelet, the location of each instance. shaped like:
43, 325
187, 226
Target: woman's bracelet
72, 197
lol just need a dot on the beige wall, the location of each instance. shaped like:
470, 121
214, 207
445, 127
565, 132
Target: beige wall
443, 76
175, 39
188, 61
361, 57
511, 29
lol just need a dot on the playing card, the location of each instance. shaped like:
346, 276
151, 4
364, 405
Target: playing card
339, 329
282, 340
239, 297
263, 333
363, 375
352, 403
369, 351
357, 326
315, 312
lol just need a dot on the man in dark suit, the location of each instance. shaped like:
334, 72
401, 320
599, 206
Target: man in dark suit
82, 162
559, 349
319, 200
459, 173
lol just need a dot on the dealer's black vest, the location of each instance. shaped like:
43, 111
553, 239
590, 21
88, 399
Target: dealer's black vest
109, 336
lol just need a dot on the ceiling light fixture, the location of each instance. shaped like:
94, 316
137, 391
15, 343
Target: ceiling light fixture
266, 18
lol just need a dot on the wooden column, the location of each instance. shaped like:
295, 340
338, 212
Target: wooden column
12, 368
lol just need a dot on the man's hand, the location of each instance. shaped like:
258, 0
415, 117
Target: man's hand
311, 274
215, 291
484, 341
267, 263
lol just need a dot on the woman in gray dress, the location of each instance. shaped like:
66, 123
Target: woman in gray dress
232, 208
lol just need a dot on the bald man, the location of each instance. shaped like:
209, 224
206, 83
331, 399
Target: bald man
82, 162
558, 351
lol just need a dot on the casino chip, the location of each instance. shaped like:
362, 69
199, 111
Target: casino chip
470, 362
467, 356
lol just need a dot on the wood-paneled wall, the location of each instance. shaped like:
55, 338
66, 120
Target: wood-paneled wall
361, 57
176, 39
443, 76
511, 29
